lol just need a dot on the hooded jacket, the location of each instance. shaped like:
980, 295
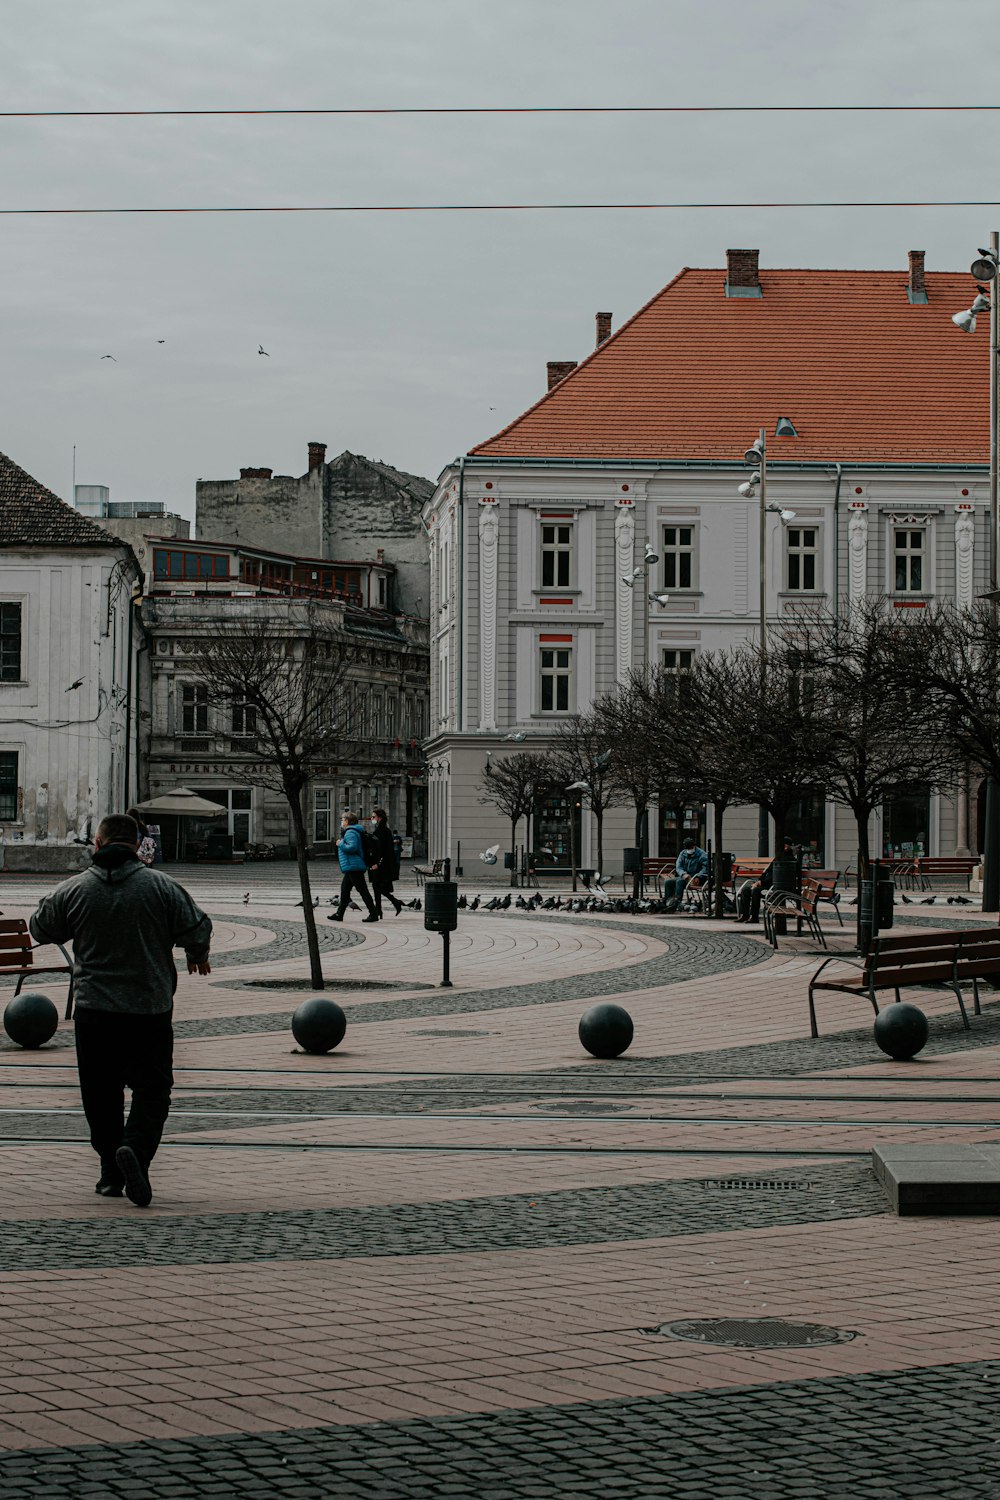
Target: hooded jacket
124, 920
351, 849
692, 862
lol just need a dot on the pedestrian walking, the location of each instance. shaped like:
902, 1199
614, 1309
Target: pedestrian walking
385, 867
353, 863
147, 844
124, 921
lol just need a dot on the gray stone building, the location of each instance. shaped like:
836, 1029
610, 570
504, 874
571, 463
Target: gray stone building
343, 510
875, 412
216, 750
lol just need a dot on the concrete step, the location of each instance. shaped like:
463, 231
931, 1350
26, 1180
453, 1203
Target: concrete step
930, 1178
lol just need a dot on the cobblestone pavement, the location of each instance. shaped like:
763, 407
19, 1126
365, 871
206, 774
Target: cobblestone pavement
434, 1263
922, 1435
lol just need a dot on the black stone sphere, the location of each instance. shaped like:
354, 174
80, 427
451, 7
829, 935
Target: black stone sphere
30, 1019
606, 1030
318, 1025
901, 1030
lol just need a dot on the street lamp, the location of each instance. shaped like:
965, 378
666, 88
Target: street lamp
574, 786
756, 455
661, 600
984, 271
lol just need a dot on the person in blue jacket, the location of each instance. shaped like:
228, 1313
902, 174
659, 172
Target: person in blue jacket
351, 856
690, 870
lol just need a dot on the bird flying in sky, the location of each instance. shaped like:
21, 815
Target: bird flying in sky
262, 350
109, 356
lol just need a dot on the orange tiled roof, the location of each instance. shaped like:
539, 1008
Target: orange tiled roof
862, 374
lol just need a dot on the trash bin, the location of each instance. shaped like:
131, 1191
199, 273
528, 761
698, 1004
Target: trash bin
875, 904
632, 861
724, 868
440, 905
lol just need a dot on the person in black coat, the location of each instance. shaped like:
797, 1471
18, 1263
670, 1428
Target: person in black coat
384, 869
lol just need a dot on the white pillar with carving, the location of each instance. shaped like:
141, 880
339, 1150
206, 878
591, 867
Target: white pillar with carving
489, 546
624, 563
857, 551
965, 540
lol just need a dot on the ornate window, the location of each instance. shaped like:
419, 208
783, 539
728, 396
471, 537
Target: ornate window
909, 560
10, 642
678, 557
557, 554
802, 556
194, 708
556, 671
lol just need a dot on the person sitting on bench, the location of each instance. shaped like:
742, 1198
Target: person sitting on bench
750, 893
690, 873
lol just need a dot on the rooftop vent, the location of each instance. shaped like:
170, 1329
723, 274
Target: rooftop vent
785, 428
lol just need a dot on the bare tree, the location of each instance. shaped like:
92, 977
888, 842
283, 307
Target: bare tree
583, 751
285, 671
875, 730
950, 658
513, 785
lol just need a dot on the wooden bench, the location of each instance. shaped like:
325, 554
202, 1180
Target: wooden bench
17, 957
828, 894
924, 960
926, 866
654, 868
428, 872
749, 869
802, 907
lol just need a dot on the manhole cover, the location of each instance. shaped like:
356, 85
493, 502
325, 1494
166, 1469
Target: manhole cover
761, 1184
435, 1031
753, 1333
583, 1107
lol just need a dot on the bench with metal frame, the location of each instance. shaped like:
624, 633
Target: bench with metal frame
924, 960
925, 866
428, 872
801, 906
17, 957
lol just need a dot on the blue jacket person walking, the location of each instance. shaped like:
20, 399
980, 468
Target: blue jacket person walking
124, 921
353, 864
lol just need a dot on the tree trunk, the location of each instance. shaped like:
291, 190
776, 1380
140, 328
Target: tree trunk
312, 941
720, 898
599, 820
637, 877
513, 850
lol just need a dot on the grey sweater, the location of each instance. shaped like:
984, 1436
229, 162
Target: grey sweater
124, 921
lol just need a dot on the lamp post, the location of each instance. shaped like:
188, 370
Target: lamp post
984, 269
574, 786
756, 455
660, 599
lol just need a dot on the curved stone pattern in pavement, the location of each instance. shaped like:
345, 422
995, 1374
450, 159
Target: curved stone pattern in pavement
596, 1216
916, 1435
691, 955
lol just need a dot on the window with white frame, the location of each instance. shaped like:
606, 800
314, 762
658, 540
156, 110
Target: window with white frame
194, 708
244, 720
801, 558
909, 560
323, 814
8, 785
557, 554
678, 557
556, 672
10, 641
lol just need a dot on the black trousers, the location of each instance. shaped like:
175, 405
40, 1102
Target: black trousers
354, 880
748, 899
115, 1052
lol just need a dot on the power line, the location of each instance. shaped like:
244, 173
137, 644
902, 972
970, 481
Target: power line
510, 109
459, 208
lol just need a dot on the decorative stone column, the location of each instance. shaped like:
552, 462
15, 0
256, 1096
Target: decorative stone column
624, 563
857, 551
489, 539
965, 541
962, 814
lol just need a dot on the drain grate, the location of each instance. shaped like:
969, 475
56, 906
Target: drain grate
440, 1031
753, 1333
760, 1184
583, 1107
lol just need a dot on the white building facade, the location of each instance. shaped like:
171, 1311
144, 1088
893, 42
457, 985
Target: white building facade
71, 676
531, 617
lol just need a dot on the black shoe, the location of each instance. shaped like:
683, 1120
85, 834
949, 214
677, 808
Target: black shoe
111, 1183
399, 906
333, 916
372, 918
137, 1188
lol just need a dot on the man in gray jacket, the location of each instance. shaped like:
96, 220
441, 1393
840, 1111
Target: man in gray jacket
124, 921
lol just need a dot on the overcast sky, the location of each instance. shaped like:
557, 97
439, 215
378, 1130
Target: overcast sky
411, 337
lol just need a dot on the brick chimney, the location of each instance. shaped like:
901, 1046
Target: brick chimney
317, 456
916, 290
603, 328
256, 473
742, 278
558, 369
